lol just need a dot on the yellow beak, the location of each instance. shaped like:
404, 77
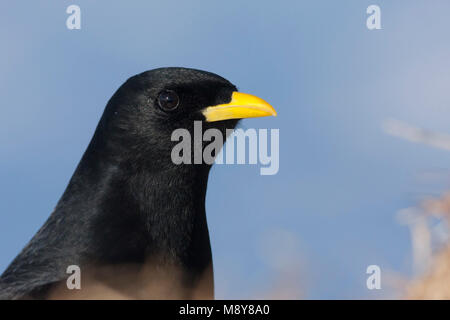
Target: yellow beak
242, 105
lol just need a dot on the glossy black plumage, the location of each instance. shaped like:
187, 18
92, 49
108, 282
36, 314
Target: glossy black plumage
127, 202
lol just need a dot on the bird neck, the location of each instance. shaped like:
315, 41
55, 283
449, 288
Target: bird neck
172, 205
136, 213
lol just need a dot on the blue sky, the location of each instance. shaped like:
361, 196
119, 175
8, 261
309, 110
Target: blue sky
330, 211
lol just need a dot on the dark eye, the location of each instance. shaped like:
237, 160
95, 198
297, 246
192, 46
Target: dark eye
168, 100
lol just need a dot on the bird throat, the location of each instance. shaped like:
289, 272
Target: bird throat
142, 217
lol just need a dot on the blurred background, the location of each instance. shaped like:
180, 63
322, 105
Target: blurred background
363, 118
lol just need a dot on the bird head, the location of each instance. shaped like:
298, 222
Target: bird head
144, 112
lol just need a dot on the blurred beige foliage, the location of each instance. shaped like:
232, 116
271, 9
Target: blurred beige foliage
434, 283
431, 265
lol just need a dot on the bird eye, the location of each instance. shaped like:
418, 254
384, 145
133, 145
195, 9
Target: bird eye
168, 100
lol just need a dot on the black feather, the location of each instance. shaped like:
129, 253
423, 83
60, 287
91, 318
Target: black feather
127, 202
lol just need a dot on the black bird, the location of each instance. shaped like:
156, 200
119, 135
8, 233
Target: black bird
130, 217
